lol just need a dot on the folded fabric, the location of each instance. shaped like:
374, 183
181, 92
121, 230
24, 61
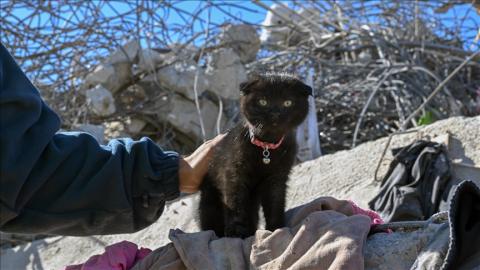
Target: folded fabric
323, 234
447, 242
416, 184
464, 223
329, 234
119, 256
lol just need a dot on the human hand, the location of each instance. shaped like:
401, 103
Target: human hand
193, 168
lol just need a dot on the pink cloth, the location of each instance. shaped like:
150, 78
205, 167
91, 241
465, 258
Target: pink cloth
119, 256
374, 216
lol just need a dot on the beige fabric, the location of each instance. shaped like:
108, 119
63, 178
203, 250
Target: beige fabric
322, 234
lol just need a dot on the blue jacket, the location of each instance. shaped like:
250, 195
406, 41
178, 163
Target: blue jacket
65, 182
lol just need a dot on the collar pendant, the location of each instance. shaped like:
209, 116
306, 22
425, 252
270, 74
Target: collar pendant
266, 156
265, 146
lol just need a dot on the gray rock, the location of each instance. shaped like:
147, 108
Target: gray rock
128, 53
243, 39
116, 71
135, 125
150, 59
182, 52
225, 72
96, 131
182, 114
111, 76
101, 101
180, 77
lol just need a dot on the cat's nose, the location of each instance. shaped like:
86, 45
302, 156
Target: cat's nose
275, 114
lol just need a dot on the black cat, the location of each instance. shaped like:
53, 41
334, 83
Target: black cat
252, 163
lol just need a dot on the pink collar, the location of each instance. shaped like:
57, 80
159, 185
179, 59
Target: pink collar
266, 145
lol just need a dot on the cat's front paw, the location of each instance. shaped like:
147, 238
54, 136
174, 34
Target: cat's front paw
238, 230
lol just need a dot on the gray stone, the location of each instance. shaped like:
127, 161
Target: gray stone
225, 73
150, 59
96, 131
243, 39
180, 77
101, 101
182, 114
183, 52
135, 125
116, 71
112, 77
128, 53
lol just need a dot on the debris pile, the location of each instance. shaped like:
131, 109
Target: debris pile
371, 76
374, 63
145, 90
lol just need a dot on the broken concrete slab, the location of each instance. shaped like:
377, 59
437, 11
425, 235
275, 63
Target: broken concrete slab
100, 101
111, 77
182, 114
150, 59
225, 72
135, 125
116, 70
128, 53
243, 39
180, 77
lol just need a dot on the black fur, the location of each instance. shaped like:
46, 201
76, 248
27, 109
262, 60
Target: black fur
238, 182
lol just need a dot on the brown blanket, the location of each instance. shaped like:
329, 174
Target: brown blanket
323, 234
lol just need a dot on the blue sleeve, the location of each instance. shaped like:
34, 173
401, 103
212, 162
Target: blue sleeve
66, 183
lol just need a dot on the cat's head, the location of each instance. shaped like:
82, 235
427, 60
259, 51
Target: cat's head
274, 102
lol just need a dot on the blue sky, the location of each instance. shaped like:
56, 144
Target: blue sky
245, 11
242, 10
254, 14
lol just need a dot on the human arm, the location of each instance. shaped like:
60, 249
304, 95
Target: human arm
66, 183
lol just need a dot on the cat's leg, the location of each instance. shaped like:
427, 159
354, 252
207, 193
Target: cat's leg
211, 210
273, 203
237, 212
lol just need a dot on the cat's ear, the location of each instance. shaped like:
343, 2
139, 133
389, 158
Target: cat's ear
305, 89
245, 87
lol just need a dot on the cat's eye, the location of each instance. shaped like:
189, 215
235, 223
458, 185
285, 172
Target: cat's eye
287, 103
262, 102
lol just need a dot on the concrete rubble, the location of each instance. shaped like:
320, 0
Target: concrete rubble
180, 77
111, 77
168, 77
183, 113
225, 73
243, 39
116, 71
101, 101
